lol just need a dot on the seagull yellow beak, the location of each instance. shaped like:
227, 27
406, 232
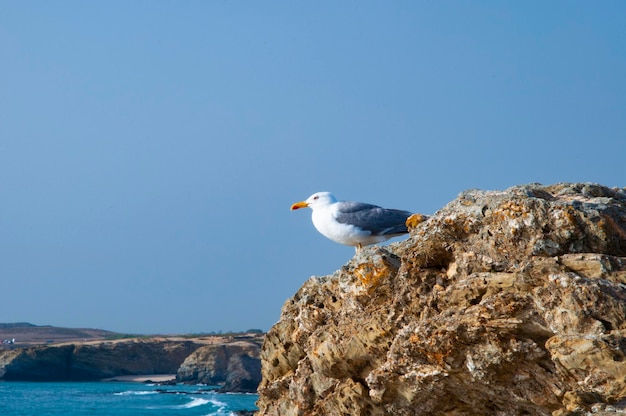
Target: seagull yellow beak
298, 205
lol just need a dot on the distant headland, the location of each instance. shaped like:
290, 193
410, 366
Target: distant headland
47, 353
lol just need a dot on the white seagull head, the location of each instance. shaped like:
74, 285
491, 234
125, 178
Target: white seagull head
317, 200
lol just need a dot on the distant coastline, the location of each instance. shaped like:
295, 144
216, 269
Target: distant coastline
231, 361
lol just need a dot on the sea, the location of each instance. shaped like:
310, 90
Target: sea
118, 398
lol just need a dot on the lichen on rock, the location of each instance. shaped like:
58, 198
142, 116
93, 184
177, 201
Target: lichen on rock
502, 303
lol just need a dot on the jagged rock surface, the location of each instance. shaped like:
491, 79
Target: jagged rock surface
236, 366
503, 303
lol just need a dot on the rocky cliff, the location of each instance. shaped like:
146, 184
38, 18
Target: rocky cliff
93, 361
236, 366
502, 303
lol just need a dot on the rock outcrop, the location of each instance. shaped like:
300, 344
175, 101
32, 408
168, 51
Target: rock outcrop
235, 366
502, 303
94, 361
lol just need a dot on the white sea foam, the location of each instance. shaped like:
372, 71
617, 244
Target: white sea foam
217, 403
221, 408
135, 393
195, 402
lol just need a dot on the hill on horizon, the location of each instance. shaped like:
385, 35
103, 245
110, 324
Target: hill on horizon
25, 332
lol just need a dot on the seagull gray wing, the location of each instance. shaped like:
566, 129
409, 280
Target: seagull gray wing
372, 218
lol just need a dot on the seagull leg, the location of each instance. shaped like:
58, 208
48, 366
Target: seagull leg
358, 247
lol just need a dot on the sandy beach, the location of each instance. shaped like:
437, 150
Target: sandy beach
157, 378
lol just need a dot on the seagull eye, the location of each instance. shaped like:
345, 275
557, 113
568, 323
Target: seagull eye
316, 197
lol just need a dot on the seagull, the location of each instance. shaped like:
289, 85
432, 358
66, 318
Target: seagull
354, 223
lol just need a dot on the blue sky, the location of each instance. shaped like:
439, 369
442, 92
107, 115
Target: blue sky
150, 150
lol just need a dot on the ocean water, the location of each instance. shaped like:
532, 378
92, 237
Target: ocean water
117, 398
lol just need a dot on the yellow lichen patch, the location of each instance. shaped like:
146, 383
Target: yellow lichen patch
370, 275
570, 213
514, 218
459, 224
565, 217
449, 220
510, 210
468, 225
414, 220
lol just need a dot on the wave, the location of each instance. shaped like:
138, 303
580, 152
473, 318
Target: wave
213, 406
221, 408
195, 402
217, 403
135, 393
